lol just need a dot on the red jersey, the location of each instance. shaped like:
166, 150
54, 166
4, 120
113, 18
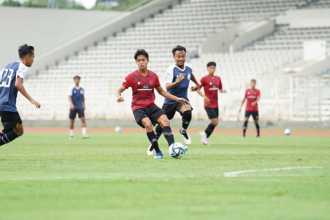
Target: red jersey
142, 88
251, 96
211, 87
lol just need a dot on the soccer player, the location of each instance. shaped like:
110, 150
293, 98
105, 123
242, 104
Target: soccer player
145, 111
211, 84
76, 94
12, 77
178, 77
253, 96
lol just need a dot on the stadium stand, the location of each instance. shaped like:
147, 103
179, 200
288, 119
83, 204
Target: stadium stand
103, 66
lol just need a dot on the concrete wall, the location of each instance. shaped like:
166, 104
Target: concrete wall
305, 18
45, 29
236, 36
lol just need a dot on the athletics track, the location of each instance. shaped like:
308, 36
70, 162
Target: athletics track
192, 131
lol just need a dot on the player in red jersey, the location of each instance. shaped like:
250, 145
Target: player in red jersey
145, 111
211, 84
253, 96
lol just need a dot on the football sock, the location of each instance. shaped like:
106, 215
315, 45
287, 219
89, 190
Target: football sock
158, 131
71, 132
168, 135
209, 130
154, 141
244, 128
186, 118
83, 131
258, 129
6, 138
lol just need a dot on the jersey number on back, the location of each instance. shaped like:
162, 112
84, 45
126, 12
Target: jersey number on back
6, 77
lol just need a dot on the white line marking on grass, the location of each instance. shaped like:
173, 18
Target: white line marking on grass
236, 173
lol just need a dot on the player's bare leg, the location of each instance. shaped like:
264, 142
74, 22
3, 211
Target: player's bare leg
246, 119
208, 131
186, 118
257, 128
83, 128
152, 137
71, 128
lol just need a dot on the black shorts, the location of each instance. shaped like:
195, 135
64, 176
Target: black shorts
170, 109
212, 112
153, 113
255, 115
73, 113
9, 120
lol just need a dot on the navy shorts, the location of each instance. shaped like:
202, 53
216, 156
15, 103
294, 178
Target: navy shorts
9, 120
73, 113
170, 109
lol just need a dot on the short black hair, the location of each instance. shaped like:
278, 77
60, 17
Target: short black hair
141, 52
179, 48
211, 64
76, 77
25, 50
253, 80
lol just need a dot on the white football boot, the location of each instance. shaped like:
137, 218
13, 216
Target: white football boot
186, 137
204, 140
150, 152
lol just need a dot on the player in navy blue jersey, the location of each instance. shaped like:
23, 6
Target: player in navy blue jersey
76, 95
12, 77
178, 77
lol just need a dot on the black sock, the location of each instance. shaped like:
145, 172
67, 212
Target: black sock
168, 135
258, 129
154, 141
6, 138
158, 131
186, 118
209, 130
244, 128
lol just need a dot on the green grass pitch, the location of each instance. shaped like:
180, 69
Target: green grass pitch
109, 176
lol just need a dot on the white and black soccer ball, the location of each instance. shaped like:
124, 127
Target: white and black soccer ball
176, 150
287, 131
118, 129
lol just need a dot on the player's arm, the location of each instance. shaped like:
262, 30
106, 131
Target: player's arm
242, 104
195, 87
71, 103
83, 99
162, 92
207, 100
256, 101
118, 93
170, 86
20, 87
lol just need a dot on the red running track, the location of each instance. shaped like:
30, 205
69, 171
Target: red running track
193, 131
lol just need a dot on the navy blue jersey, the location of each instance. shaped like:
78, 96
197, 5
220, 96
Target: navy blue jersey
76, 94
8, 91
180, 90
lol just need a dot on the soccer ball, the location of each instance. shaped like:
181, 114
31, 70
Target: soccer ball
287, 131
176, 150
118, 129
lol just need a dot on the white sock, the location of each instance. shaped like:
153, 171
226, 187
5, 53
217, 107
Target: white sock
71, 132
83, 131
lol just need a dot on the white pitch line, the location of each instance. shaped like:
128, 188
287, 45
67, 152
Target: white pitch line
236, 173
